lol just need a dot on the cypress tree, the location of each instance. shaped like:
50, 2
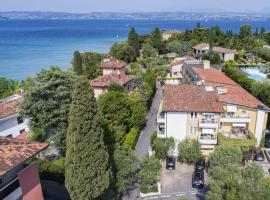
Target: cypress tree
87, 160
77, 63
133, 40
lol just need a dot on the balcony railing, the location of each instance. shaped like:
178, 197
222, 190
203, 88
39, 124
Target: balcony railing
208, 123
210, 139
235, 118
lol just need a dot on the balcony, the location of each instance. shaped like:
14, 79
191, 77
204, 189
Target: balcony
235, 118
208, 123
208, 139
161, 118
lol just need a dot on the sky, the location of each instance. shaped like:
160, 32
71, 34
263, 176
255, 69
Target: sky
85, 6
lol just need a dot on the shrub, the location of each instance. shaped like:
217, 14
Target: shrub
53, 171
161, 146
132, 138
243, 143
189, 151
153, 137
114, 87
149, 174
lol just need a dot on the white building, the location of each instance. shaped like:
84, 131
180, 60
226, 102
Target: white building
11, 124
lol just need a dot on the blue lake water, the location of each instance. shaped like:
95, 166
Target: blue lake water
26, 46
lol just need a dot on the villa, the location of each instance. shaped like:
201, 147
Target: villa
11, 123
211, 103
224, 53
18, 178
113, 72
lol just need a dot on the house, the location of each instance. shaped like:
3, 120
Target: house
168, 34
113, 65
11, 123
113, 72
188, 111
101, 83
18, 179
224, 53
175, 75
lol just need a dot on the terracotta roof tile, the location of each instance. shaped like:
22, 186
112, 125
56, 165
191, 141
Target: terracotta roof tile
113, 63
222, 50
15, 151
106, 80
9, 106
235, 93
202, 46
190, 98
181, 60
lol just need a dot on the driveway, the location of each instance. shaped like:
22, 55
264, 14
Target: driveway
144, 140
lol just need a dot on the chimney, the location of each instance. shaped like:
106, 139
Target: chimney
206, 64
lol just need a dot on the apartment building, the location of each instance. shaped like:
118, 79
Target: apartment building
18, 178
188, 111
11, 123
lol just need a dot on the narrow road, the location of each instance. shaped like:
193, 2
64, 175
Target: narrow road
144, 140
145, 136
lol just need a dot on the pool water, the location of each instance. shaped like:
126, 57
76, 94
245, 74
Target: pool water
254, 73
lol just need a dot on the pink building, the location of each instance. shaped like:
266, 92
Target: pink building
113, 65
18, 179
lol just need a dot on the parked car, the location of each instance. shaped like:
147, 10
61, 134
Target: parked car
267, 153
170, 162
198, 179
200, 165
259, 156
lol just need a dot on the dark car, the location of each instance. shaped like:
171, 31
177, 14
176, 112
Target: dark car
259, 156
170, 162
198, 179
200, 165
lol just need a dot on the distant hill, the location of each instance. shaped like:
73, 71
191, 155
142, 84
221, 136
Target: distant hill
137, 15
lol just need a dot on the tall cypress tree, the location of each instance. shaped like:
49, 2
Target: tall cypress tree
133, 40
87, 160
77, 63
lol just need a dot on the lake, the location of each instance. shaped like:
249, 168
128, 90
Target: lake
27, 46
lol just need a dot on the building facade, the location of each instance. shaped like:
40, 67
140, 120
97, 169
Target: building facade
11, 123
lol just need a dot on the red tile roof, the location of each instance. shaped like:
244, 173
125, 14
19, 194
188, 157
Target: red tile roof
113, 63
14, 152
235, 93
9, 106
222, 50
23, 135
190, 98
106, 80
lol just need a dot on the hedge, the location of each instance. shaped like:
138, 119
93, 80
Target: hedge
131, 139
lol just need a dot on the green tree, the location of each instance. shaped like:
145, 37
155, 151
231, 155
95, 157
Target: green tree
190, 151
161, 146
87, 160
134, 41
156, 40
198, 25
131, 139
215, 58
47, 101
77, 63
245, 31
262, 92
149, 51
138, 108
7, 87
149, 173
226, 155
114, 87
123, 51
91, 64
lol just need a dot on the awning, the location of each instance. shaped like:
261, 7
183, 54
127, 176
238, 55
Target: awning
242, 125
207, 131
231, 108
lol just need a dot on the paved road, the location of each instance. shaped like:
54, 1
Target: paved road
144, 139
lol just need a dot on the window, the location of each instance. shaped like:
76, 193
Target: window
193, 130
19, 120
221, 124
193, 115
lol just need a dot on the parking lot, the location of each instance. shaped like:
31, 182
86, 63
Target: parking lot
178, 180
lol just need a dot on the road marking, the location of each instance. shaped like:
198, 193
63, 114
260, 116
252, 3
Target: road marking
151, 198
165, 196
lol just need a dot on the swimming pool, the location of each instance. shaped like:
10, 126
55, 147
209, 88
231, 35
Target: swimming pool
254, 73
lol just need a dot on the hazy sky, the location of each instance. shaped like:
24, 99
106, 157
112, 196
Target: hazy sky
134, 5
